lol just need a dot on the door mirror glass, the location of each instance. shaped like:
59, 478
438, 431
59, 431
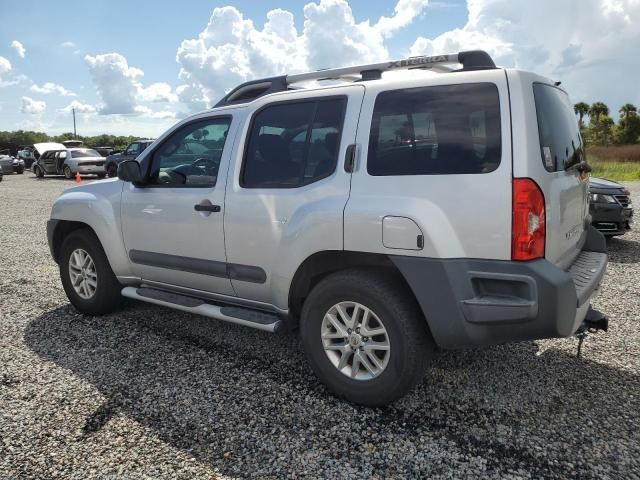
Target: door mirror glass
129, 171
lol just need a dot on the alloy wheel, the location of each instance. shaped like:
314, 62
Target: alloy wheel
355, 340
82, 272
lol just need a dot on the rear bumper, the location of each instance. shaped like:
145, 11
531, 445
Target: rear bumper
481, 302
90, 168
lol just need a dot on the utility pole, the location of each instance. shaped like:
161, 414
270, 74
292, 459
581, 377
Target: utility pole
74, 122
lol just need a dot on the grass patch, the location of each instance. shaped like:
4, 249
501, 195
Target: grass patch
618, 171
615, 162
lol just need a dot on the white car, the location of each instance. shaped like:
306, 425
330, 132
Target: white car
380, 217
59, 160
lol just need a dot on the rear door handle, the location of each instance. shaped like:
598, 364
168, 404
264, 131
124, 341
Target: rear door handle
199, 207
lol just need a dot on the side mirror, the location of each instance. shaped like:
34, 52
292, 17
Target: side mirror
129, 171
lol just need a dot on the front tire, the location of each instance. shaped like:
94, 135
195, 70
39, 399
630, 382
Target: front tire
365, 337
39, 172
87, 278
112, 170
68, 174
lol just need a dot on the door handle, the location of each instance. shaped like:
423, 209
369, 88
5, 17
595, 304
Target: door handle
350, 158
199, 207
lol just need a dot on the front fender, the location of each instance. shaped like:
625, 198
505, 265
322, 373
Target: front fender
98, 206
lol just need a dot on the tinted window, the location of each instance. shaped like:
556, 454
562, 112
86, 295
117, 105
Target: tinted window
133, 149
451, 129
84, 152
191, 156
560, 141
293, 144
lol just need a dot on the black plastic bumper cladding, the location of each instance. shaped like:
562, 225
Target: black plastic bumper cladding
51, 228
471, 302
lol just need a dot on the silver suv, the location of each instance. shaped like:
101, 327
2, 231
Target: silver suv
380, 216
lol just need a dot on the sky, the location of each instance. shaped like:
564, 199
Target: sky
138, 67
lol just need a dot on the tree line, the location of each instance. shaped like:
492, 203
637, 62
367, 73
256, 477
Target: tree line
602, 130
25, 137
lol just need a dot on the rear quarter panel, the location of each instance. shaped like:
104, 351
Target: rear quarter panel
565, 196
461, 215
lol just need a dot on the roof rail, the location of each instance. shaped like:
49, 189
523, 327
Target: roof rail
470, 60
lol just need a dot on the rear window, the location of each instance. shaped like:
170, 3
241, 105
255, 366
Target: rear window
450, 129
85, 152
560, 141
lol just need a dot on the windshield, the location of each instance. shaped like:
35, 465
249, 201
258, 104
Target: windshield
84, 152
560, 140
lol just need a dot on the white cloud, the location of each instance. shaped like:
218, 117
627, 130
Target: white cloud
403, 14
5, 66
79, 107
33, 107
50, 87
116, 81
588, 47
120, 88
68, 44
157, 92
19, 48
231, 50
163, 115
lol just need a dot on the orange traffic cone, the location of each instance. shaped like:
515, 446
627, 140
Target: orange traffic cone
78, 179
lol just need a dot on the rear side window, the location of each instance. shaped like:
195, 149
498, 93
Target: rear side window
450, 129
293, 144
560, 140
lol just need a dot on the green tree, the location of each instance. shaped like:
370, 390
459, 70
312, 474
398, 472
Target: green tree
628, 110
602, 130
581, 109
597, 110
628, 129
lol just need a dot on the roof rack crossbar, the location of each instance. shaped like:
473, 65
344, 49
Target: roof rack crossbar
470, 60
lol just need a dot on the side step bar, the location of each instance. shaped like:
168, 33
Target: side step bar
241, 316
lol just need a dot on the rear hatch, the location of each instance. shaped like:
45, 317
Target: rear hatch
565, 185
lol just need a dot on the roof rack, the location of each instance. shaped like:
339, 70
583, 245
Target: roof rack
470, 60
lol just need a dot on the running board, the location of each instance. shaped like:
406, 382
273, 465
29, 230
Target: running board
267, 322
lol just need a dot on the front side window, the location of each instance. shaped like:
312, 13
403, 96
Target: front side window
293, 144
133, 149
560, 140
191, 156
450, 129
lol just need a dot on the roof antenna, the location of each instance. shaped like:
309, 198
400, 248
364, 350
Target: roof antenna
557, 84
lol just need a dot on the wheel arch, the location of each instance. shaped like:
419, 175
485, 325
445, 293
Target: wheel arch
319, 265
61, 230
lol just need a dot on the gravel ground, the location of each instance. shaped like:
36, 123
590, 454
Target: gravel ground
153, 393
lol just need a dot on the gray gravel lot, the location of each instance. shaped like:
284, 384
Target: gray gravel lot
153, 393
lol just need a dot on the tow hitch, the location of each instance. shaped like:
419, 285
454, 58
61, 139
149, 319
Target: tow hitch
593, 321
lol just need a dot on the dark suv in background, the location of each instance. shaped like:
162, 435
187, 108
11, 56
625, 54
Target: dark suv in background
131, 153
610, 207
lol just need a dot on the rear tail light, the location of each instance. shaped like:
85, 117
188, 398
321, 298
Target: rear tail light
528, 229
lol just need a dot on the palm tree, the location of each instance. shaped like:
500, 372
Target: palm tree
597, 109
628, 110
581, 110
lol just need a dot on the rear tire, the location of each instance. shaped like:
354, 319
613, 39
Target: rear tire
102, 294
68, 174
393, 309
